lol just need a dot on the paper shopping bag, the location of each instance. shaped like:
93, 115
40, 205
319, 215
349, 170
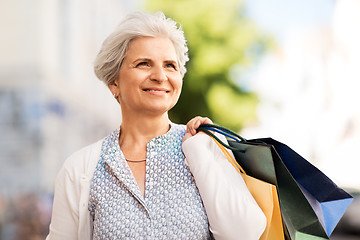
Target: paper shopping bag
326, 198
263, 162
260, 160
265, 195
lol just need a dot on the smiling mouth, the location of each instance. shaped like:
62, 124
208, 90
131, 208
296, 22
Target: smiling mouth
155, 91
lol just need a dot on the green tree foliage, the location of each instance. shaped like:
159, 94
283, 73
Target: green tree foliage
220, 38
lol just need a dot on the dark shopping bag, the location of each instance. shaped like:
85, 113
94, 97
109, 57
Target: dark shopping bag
265, 195
261, 160
326, 198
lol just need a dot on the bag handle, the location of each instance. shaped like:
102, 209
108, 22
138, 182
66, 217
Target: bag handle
207, 128
222, 130
230, 158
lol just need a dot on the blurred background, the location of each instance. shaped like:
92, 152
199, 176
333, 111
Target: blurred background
281, 68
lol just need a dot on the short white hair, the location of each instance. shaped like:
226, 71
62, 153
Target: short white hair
138, 24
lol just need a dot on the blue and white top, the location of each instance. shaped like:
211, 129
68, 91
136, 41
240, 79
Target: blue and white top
172, 207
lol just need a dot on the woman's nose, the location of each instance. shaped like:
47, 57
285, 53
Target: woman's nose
158, 74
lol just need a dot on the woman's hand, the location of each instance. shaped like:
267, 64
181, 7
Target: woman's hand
194, 124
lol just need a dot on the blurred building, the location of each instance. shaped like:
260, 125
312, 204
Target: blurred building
50, 101
309, 95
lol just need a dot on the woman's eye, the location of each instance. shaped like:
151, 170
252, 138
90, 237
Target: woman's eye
142, 64
171, 65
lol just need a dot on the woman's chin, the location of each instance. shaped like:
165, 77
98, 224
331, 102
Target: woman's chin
157, 110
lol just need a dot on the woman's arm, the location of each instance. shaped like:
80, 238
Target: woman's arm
70, 217
232, 211
65, 214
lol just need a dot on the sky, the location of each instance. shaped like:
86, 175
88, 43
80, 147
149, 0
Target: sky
313, 111
281, 17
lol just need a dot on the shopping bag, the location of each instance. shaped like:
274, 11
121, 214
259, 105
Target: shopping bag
265, 195
261, 160
326, 198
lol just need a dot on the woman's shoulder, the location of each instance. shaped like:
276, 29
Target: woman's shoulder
86, 151
84, 159
181, 128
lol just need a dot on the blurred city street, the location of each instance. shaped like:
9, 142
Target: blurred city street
51, 103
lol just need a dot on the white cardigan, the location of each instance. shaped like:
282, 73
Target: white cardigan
231, 209
232, 212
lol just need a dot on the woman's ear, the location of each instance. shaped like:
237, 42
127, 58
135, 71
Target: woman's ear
114, 88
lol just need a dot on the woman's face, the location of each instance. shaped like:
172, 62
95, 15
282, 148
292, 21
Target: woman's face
149, 79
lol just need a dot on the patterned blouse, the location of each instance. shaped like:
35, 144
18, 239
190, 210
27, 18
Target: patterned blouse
172, 207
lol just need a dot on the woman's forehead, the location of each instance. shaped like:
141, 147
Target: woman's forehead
152, 47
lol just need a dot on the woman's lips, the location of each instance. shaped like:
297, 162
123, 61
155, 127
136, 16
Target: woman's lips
156, 90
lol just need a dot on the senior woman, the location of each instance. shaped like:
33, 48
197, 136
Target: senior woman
136, 183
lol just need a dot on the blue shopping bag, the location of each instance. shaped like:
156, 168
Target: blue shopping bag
328, 201
326, 198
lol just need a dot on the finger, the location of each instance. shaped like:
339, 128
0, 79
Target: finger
208, 121
197, 123
192, 125
190, 129
202, 120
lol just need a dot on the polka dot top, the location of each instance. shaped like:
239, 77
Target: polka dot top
172, 207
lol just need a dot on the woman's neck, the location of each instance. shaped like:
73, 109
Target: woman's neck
136, 132
144, 127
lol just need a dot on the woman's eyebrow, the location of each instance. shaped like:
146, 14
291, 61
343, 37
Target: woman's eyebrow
142, 59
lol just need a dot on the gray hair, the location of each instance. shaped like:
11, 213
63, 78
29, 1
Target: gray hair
113, 50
